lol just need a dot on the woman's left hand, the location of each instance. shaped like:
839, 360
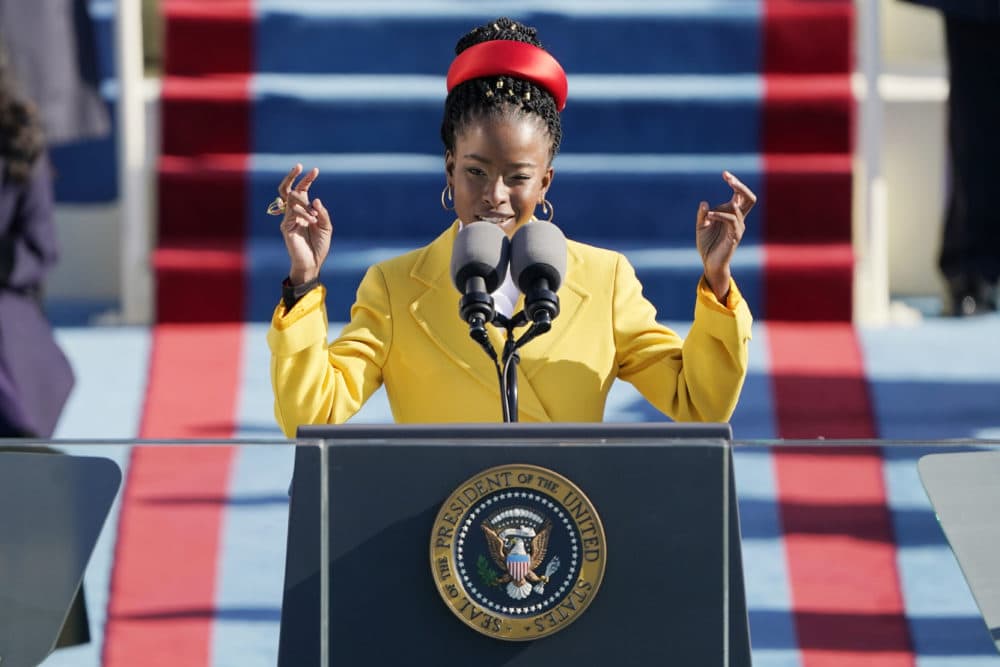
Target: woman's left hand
719, 231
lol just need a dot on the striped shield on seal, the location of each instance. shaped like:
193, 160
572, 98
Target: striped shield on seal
518, 565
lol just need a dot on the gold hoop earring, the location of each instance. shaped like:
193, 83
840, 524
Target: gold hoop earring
547, 209
445, 196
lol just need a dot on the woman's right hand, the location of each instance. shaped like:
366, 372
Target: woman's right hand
306, 227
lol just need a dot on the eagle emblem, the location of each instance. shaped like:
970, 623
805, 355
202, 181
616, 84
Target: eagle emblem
519, 551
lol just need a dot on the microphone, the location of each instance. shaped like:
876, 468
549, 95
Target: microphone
479, 261
538, 262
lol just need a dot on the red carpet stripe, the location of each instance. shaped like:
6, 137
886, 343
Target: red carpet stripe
163, 587
200, 260
213, 185
846, 596
808, 37
807, 114
199, 120
164, 580
207, 37
794, 183
808, 282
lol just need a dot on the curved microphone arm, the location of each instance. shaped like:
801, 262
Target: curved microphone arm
540, 319
542, 308
508, 379
539, 314
478, 334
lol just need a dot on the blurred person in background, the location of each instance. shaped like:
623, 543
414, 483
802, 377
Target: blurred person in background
970, 248
49, 95
35, 377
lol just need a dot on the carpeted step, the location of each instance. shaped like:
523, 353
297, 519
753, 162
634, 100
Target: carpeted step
384, 197
606, 114
200, 280
791, 282
587, 36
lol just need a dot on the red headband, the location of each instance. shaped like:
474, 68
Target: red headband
513, 58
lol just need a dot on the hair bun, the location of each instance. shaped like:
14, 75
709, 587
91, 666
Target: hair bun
502, 28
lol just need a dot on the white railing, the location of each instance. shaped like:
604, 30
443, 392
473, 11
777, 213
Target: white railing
871, 276
901, 87
135, 212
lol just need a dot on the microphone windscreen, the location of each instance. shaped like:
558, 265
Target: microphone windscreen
481, 249
538, 250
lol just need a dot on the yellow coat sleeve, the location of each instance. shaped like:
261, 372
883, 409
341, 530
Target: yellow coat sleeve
698, 378
317, 383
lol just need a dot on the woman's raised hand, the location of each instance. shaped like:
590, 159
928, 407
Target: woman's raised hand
306, 226
719, 231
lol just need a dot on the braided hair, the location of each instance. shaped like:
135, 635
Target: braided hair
21, 139
499, 96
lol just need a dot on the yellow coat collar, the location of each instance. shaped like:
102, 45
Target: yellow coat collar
435, 310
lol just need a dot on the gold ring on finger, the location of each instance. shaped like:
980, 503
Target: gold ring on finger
276, 207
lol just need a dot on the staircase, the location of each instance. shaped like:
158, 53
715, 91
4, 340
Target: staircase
663, 97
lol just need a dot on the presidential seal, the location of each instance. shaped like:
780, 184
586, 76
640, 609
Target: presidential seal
518, 552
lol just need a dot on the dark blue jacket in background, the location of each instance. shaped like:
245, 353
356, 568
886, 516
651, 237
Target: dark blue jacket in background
986, 10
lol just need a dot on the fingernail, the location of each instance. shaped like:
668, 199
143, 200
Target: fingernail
317, 202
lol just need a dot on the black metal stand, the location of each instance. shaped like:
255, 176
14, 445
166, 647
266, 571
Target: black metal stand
508, 373
507, 365
509, 358
540, 319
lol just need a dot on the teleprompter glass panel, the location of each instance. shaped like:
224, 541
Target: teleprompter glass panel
181, 547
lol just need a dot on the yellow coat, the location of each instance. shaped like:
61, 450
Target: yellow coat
405, 333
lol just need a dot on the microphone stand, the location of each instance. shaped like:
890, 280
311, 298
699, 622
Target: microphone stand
510, 358
506, 365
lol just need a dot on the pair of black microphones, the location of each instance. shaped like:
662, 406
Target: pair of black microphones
536, 257
480, 259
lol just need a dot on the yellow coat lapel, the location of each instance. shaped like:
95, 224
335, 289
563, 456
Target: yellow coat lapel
573, 297
435, 312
